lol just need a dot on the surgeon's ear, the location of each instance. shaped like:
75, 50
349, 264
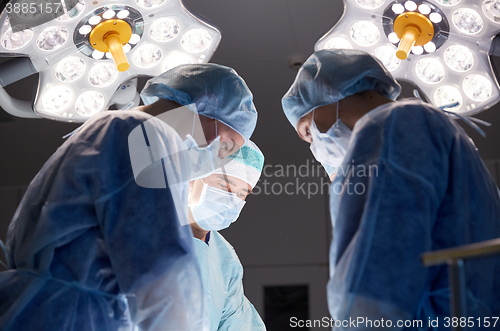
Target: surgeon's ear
304, 127
191, 184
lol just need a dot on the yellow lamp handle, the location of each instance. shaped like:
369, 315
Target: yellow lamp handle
114, 44
109, 36
413, 29
410, 36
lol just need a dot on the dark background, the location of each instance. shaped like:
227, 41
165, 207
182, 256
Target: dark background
282, 240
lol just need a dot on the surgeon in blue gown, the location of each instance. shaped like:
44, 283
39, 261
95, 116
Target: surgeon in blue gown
408, 180
89, 249
215, 203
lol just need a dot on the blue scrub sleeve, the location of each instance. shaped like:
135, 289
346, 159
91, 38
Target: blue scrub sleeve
239, 313
151, 255
383, 211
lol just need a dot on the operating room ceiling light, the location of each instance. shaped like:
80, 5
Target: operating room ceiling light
89, 103
103, 74
448, 95
440, 45
147, 56
52, 38
388, 57
164, 29
196, 41
70, 69
467, 20
84, 55
57, 98
491, 9
339, 43
15, 40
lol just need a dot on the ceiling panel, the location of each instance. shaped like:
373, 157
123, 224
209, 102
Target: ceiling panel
311, 19
251, 30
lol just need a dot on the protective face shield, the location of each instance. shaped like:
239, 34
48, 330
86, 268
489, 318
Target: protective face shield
153, 160
202, 160
216, 209
330, 148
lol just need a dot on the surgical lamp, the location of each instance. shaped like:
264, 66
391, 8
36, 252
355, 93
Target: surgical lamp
91, 52
442, 46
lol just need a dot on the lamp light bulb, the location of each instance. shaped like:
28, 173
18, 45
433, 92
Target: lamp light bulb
89, 103
56, 99
338, 43
196, 40
467, 20
477, 87
52, 38
387, 55
448, 95
365, 33
70, 69
430, 70
147, 56
103, 74
458, 58
164, 29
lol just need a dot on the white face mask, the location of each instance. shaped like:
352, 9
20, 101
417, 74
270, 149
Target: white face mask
216, 208
330, 148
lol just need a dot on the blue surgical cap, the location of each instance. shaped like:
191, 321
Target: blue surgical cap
218, 92
328, 76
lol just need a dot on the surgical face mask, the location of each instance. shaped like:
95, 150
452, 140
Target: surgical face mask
330, 148
216, 208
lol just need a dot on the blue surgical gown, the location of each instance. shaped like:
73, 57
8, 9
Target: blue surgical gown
89, 249
222, 274
411, 182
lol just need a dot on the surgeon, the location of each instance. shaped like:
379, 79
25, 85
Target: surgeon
90, 249
408, 180
215, 202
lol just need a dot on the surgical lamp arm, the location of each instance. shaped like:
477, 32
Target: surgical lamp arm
11, 71
471, 251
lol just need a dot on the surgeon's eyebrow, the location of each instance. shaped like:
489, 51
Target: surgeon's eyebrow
227, 180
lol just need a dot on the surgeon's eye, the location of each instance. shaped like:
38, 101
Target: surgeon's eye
223, 186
